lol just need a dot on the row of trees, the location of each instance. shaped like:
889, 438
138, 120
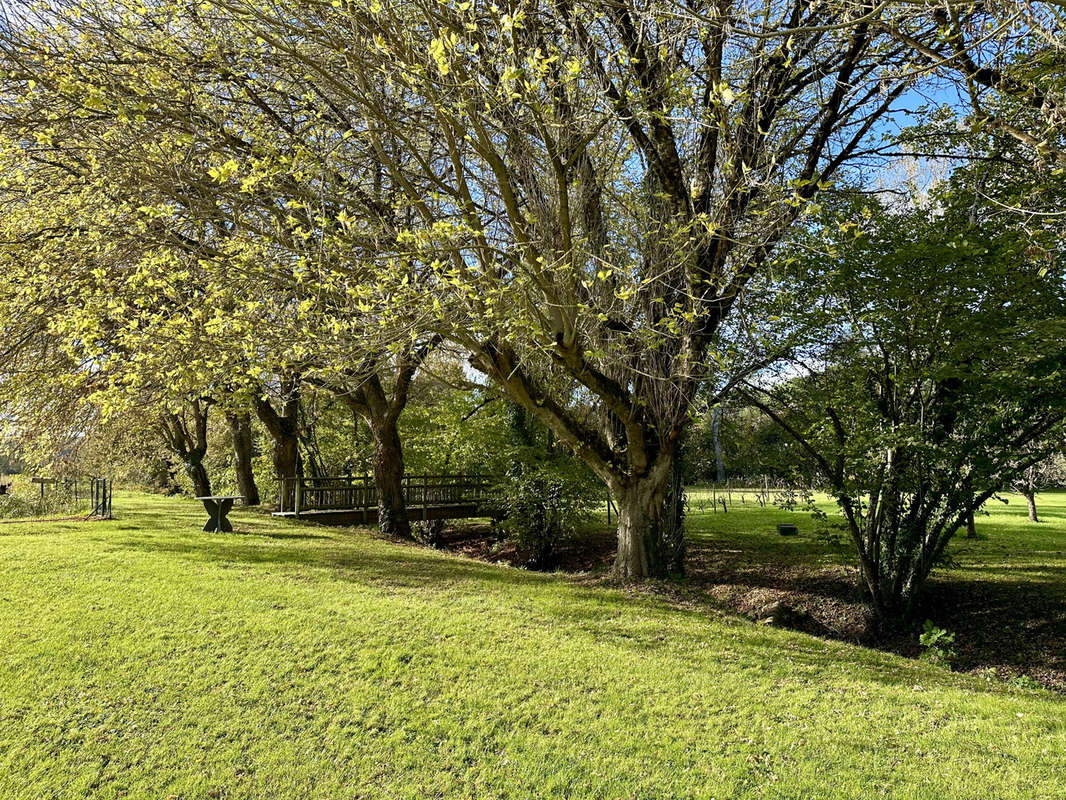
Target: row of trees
612, 212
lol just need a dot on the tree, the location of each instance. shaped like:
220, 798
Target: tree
1050, 471
594, 187
922, 397
185, 432
380, 404
241, 431
281, 419
1017, 88
186, 206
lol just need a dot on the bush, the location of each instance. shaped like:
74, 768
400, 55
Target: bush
429, 532
23, 501
542, 505
1026, 682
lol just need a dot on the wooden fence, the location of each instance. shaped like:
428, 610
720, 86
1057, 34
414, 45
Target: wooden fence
356, 493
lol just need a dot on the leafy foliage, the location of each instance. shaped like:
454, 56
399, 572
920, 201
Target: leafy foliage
937, 643
936, 357
543, 508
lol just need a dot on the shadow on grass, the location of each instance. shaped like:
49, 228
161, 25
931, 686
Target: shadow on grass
407, 566
1016, 625
282, 537
1057, 574
607, 615
1013, 623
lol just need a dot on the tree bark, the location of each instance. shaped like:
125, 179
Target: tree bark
287, 461
381, 409
189, 443
241, 429
642, 551
388, 478
1030, 500
971, 527
284, 429
201, 483
370, 403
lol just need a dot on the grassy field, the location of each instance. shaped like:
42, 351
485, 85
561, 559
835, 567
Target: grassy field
1004, 594
144, 658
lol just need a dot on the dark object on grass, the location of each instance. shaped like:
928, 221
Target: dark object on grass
782, 615
429, 532
100, 491
4, 488
218, 507
787, 529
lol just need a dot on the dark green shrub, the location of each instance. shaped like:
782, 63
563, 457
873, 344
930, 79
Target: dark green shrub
542, 505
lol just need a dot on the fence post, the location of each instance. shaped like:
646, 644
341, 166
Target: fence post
298, 499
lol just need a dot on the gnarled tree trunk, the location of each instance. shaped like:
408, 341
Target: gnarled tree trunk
650, 523
388, 478
381, 409
639, 522
241, 430
186, 435
198, 475
284, 429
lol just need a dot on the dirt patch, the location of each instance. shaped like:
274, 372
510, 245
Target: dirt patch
1015, 628
593, 552
1011, 629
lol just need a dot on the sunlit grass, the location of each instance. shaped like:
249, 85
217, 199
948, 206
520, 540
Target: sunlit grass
144, 658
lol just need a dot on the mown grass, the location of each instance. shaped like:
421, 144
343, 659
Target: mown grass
144, 658
1008, 547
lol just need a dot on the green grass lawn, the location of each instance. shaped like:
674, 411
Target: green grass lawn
144, 658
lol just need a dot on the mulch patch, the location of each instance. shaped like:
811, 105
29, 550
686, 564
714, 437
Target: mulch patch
592, 552
1014, 629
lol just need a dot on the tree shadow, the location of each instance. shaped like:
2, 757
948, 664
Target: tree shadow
601, 608
282, 537
1014, 625
407, 566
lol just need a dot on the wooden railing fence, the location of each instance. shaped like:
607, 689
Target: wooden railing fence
299, 495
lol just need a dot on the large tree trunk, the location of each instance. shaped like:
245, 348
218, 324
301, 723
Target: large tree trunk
650, 534
241, 429
189, 442
287, 461
1030, 500
382, 410
369, 402
636, 556
284, 430
388, 478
